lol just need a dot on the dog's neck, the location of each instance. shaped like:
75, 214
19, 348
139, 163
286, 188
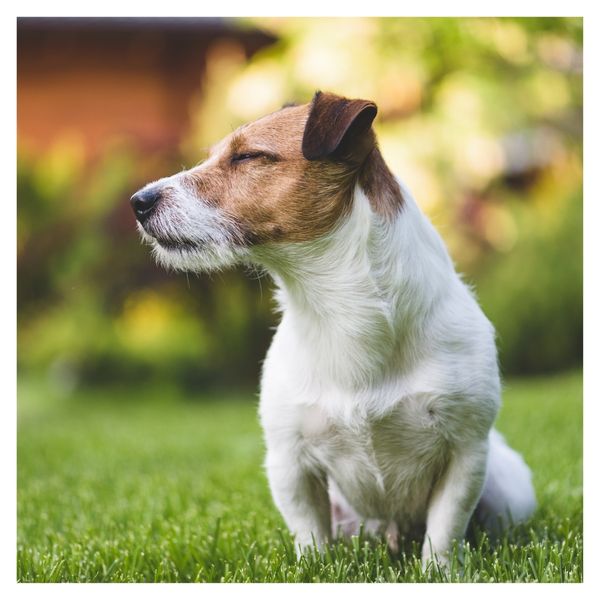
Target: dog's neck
356, 296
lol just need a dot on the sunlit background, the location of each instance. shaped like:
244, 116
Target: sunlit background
482, 118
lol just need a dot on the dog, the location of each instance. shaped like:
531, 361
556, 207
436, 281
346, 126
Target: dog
381, 385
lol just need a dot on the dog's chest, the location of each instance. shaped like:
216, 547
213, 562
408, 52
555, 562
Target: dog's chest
384, 465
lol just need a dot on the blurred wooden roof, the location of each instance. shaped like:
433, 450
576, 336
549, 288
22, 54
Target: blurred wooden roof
106, 77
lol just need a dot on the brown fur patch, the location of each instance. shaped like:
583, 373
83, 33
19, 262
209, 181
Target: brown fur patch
260, 177
380, 186
339, 129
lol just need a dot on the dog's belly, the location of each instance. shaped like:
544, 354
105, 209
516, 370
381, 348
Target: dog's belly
385, 467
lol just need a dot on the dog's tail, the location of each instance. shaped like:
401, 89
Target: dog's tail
508, 496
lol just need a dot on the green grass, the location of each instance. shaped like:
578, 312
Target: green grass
146, 486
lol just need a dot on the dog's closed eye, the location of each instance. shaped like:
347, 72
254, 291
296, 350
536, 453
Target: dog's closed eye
241, 157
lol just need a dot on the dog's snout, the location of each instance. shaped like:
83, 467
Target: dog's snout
144, 202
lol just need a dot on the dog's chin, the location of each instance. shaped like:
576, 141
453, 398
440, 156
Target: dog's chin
192, 255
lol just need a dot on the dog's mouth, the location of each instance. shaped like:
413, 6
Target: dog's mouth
171, 244
167, 242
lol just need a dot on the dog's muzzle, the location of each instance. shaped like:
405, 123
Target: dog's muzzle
144, 203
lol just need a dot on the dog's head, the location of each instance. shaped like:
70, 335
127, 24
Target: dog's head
288, 177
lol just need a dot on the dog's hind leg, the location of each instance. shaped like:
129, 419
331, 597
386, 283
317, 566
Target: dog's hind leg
453, 501
508, 496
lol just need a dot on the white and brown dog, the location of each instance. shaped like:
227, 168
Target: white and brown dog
381, 385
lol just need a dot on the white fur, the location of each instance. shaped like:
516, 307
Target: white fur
508, 495
184, 217
381, 385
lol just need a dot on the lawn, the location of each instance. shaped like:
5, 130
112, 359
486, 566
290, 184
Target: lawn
130, 485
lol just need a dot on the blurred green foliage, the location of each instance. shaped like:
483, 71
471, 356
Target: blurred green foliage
482, 118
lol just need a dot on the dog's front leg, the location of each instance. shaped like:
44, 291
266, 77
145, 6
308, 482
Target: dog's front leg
302, 498
453, 501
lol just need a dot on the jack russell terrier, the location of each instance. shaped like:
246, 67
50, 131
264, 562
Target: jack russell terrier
381, 385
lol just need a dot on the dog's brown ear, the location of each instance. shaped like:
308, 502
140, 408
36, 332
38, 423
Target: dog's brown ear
339, 128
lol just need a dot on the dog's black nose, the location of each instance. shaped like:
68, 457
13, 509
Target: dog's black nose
144, 202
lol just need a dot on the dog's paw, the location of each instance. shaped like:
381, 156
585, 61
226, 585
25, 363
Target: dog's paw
444, 563
392, 537
309, 547
435, 563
